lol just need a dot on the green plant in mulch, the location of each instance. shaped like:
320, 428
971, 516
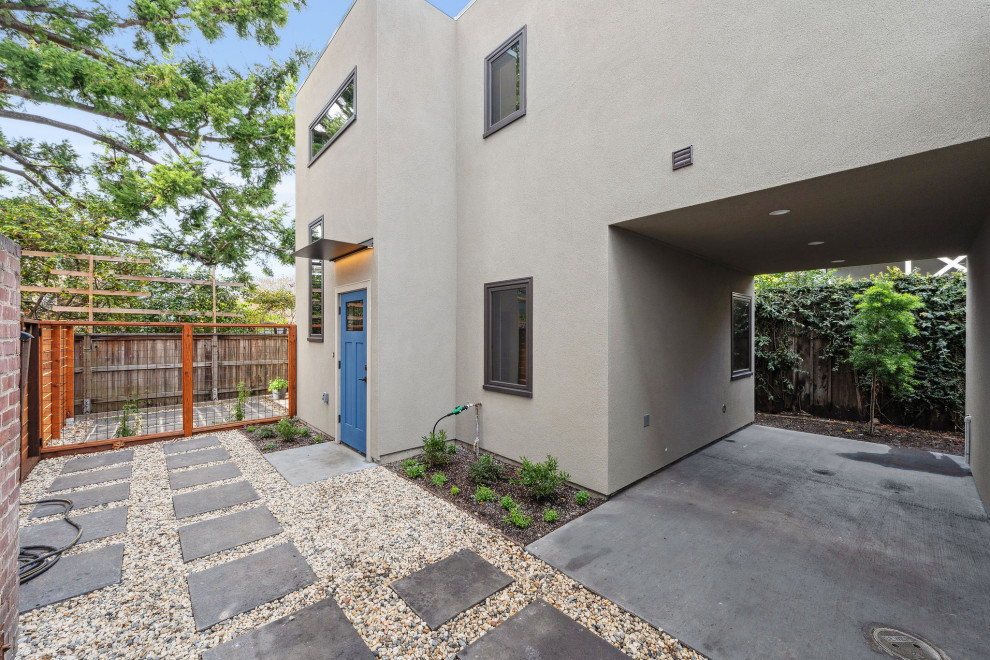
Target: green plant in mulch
454, 491
436, 449
550, 515
484, 494
438, 480
269, 446
265, 432
485, 471
541, 480
415, 470
518, 518
507, 503
581, 497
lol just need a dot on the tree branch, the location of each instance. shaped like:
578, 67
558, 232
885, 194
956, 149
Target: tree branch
32, 31
198, 256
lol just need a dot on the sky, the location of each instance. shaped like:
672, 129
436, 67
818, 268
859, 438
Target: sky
309, 28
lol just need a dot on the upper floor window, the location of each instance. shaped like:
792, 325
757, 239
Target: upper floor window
338, 114
742, 336
505, 83
509, 336
316, 285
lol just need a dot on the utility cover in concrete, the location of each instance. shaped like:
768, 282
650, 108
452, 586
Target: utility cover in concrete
234, 529
196, 458
204, 475
89, 478
226, 590
318, 632
83, 499
453, 585
199, 442
102, 459
58, 533
304, 465
73, 576
540, 631
211, 499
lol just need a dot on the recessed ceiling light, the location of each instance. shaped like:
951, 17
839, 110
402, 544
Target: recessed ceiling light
780, 212
817, 243
838, 261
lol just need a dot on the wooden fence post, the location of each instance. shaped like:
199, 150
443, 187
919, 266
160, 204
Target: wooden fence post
292, 371
68, 373
187, 379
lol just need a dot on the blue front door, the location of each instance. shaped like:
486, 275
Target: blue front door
353, 369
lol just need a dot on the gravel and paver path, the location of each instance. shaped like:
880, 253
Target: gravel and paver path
320, 585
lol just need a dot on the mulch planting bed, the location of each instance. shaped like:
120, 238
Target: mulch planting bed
945, 442
492, 513
268, 445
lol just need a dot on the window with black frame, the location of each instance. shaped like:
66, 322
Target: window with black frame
742, 336
316, 267
509, 336
336, 116
505, 83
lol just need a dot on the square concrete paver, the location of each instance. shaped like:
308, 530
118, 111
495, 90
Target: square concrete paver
90, 478
83, 499
211, 499
304, 465
73, 576
209, 536
199, 442
226, 590
318, 632
204, 475
58, 533
196, 458
103, 459
540, 632
453, 585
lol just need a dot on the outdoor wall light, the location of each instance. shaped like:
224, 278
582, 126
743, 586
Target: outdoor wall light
780, 212
817, 243
838, 261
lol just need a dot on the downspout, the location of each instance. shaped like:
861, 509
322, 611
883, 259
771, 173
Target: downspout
968, 424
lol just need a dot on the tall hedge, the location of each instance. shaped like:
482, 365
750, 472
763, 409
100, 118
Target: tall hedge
808, 314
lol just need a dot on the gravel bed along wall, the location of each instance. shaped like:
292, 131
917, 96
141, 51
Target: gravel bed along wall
359, 532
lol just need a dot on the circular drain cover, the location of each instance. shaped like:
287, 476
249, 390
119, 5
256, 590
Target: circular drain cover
905, 645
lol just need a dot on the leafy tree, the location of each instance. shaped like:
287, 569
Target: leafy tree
186, 155
268, 301
882, 324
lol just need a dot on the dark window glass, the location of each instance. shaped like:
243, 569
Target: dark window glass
335, 117
355, 316
742, 335
505, 83
316, 285
509, 336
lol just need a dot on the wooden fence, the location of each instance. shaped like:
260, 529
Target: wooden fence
107, 384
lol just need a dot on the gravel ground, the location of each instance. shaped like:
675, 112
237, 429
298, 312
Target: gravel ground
359, 532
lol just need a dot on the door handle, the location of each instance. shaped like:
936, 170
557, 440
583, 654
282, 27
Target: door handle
363, 380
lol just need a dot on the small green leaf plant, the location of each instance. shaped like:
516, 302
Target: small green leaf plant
287, 429
541, 480
126, 430
518, 518
438, 479
484, 494
265, 432
454, 491
550, 515
508, 503
243, 392
486, 471
415, 470
581, 497
436, 449
277, 385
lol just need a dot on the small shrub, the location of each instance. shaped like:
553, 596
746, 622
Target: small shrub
409, 461
438, 479
288, 431
541, 480
454, 491
484, 494
507, 503
270, 445
243, 392
436, 449
277, 384
550, 515
486, 470
266, 433
126, 430
581, 497
518, 518
416, 470
251, 429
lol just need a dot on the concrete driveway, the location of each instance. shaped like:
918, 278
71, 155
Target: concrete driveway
778, 544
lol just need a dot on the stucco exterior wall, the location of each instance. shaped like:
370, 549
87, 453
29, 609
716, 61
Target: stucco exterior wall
978, 359
669, 344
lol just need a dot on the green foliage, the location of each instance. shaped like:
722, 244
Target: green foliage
266, 432
454, 491
507, 503
436, 450
243, 393
883, 323
269, 446
287, 429
551, 515
484, 494
276, 384
518, 518
581, 497
126, 430
541, 480
438, 479
798, 309
415, 470
407, 462
268, 301
486, 471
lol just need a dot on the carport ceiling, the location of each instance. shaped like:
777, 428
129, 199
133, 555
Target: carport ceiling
921, 206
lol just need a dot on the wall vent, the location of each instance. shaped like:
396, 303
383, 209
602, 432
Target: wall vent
683, 157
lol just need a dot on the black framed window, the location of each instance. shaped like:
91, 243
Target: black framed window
505, 83
316, 270
742, 336
336, 116
509, 336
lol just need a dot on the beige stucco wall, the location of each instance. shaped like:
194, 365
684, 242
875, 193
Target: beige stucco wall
978, 359
668, 356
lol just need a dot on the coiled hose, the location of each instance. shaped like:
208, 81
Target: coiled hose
33, 560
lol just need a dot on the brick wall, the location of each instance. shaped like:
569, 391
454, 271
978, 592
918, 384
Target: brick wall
10, 435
